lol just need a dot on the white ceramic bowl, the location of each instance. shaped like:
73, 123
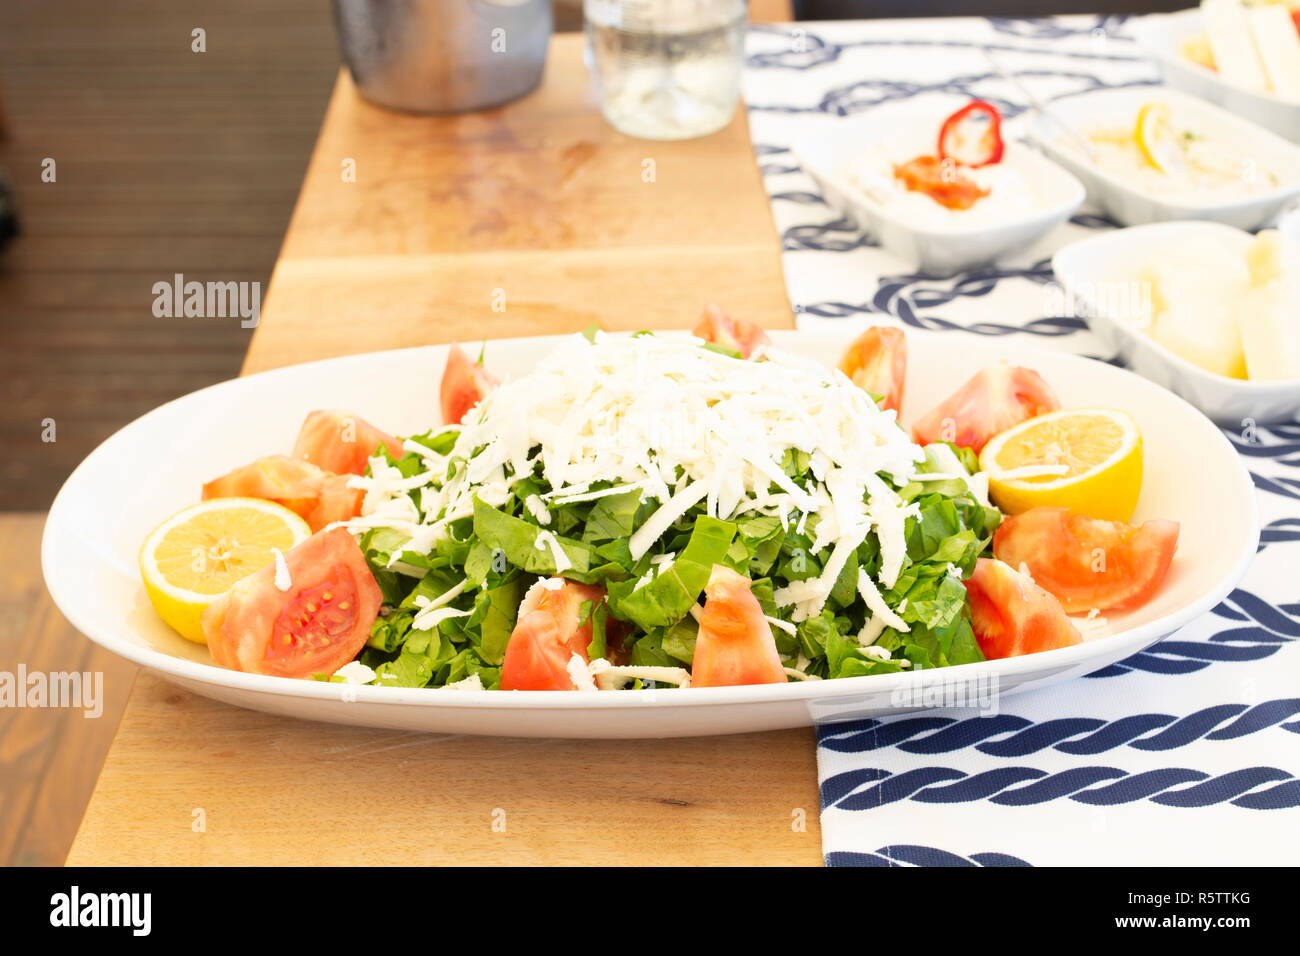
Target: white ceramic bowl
940, 249
1159, 37
155, 466
1289, 226
1130, 205
1108, 260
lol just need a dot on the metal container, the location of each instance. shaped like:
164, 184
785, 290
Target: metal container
443, 56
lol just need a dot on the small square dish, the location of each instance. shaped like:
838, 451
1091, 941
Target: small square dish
1126, 283
1161, 155
854, 168
1166, 37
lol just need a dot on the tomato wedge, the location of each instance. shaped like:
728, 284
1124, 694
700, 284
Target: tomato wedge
1088, 563
941, 181
735, 644
464, 385
744, 337
316, 495
551, 628
877, 361
341, 443
315, 627
1011, 615
972, 136
996, 398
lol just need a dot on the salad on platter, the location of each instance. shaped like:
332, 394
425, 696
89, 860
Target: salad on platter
661, 510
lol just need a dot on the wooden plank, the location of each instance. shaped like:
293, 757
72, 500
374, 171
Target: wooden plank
540, 199
544, 200
49, 757
770, 11
574, 221
385, 798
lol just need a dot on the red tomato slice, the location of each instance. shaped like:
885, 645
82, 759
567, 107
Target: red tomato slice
547, 635
318, 496
877, 361
735, 644
1011, 615
315, 627
1088, 563
721, 329
341, 443
995, 399
972, 136
941, 181
464, 385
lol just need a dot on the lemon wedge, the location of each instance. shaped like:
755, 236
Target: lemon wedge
198, 554
1154, 135
1086, 459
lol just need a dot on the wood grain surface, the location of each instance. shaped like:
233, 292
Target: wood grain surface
534, 218
542, 200
190, 781
49, 757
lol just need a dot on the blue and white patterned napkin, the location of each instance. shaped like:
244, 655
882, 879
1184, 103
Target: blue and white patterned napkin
1186, 753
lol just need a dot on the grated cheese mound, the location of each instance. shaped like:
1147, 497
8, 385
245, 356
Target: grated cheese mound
684, 425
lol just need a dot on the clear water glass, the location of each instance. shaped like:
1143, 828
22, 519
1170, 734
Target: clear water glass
666, 69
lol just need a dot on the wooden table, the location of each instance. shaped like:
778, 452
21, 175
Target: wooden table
540, 201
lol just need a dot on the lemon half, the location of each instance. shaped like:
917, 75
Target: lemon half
1154, 134
1086, 459
197, 555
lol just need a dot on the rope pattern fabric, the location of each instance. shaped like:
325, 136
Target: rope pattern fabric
1184, 753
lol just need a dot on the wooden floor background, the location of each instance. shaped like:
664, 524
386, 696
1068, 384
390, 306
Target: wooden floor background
167, 161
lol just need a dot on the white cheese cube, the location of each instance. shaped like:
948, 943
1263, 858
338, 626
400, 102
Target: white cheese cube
1234, 50
1279, 48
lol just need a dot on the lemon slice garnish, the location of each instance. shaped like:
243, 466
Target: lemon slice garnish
198, 554
1086, 459
1155, 138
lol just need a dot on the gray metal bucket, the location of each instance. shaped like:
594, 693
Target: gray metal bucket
443, 56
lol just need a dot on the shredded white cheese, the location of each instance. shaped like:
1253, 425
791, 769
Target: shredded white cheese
608, 676
782, 625
545, 539
876, 603
681, 423
472, 682
579, 674
947, 460
795, 674
682, 501
430, 617
871, 631
282, 580
446, 597
355, 672
1091, 627
537, 508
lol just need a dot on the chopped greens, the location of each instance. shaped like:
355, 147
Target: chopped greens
496, 553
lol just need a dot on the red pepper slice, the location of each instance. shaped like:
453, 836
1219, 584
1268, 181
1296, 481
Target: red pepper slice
972, 136
941, 181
